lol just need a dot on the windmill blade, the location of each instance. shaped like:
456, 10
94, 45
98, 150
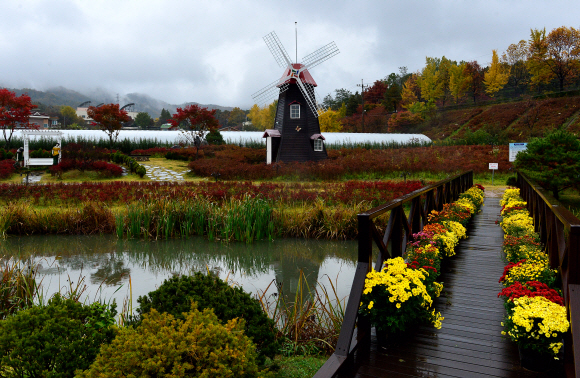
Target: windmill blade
320, 55
277, 50
309, 95
269, 93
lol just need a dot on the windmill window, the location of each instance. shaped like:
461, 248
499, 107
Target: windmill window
318, 145
294, 111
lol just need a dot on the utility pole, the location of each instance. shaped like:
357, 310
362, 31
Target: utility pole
362, 92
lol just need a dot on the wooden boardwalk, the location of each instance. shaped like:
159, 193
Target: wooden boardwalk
470, 343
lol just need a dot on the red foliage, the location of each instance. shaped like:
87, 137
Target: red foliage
6, 168
14, 111
109, 118
373, 192
400, 121
104, 168
248, 164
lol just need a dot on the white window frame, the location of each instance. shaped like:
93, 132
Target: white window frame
294, 108
318, 145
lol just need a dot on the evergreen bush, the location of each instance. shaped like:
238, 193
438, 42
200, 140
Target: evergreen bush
163, 346
176, 294
54, 340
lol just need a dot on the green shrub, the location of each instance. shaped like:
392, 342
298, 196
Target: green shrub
176, 294
215, 137
54, 340
141, 171
162, 346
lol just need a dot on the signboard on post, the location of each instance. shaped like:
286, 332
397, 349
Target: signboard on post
515, 148
493, 167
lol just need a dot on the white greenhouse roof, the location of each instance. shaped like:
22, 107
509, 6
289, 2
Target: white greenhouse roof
256, 136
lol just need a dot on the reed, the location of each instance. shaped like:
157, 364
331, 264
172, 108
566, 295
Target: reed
310, 322
18, 286
247, 219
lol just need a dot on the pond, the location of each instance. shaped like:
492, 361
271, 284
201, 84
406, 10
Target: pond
120, 269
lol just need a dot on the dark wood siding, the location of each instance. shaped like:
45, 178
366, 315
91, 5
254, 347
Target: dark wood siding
295, 142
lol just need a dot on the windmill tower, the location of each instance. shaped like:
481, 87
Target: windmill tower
296, 135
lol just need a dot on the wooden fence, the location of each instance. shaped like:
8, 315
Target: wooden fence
392, 243
559, 231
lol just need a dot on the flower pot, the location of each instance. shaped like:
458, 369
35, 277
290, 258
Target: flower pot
531, 359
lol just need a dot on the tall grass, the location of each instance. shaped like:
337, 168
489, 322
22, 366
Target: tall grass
246, 219
310, 322
18, 286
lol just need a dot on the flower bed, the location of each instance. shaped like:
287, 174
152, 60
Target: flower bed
402, 293
535, 313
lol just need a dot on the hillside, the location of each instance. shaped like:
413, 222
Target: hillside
60, 96
515, 121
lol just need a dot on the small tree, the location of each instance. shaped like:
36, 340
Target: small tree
198, 122
14, 111
110, 119
553, 161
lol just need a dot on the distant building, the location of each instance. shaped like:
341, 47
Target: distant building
42, 120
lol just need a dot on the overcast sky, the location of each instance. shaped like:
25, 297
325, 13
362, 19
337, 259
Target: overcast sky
213, 52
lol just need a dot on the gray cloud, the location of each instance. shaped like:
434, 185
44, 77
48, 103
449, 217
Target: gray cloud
212, 52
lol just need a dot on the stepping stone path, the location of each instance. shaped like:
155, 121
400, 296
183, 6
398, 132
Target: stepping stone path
162, 174
33, 178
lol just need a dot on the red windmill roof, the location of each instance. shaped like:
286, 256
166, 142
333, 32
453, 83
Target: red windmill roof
304, 76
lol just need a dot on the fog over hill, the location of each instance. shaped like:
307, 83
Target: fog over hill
143, 103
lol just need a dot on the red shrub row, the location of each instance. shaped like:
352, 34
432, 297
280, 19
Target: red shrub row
104, 168
374, 192
247, 164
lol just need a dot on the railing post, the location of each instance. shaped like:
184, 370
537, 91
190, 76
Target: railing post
396, 236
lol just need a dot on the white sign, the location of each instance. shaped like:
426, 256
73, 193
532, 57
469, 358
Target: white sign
493, 165
515, 148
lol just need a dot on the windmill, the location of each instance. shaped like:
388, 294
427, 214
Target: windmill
296, 135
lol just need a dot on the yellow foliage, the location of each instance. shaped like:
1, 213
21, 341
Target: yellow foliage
496, 77
330, 121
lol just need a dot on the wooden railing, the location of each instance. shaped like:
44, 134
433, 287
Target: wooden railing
356, 329
559, 231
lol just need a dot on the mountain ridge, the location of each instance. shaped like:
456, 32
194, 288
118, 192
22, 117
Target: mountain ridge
61, 96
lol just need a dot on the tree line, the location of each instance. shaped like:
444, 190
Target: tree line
546, 62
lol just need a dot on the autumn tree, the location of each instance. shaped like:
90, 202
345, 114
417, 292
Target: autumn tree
411, 92
429, 81
496, 77
255, 115
376, 92
69, 117
563, 51
474, 79
514, 58
14, 111
538, 54
330, 121
237, 116
199, 121
109, 119
457, 81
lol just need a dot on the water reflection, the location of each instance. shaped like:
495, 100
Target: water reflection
108, 262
